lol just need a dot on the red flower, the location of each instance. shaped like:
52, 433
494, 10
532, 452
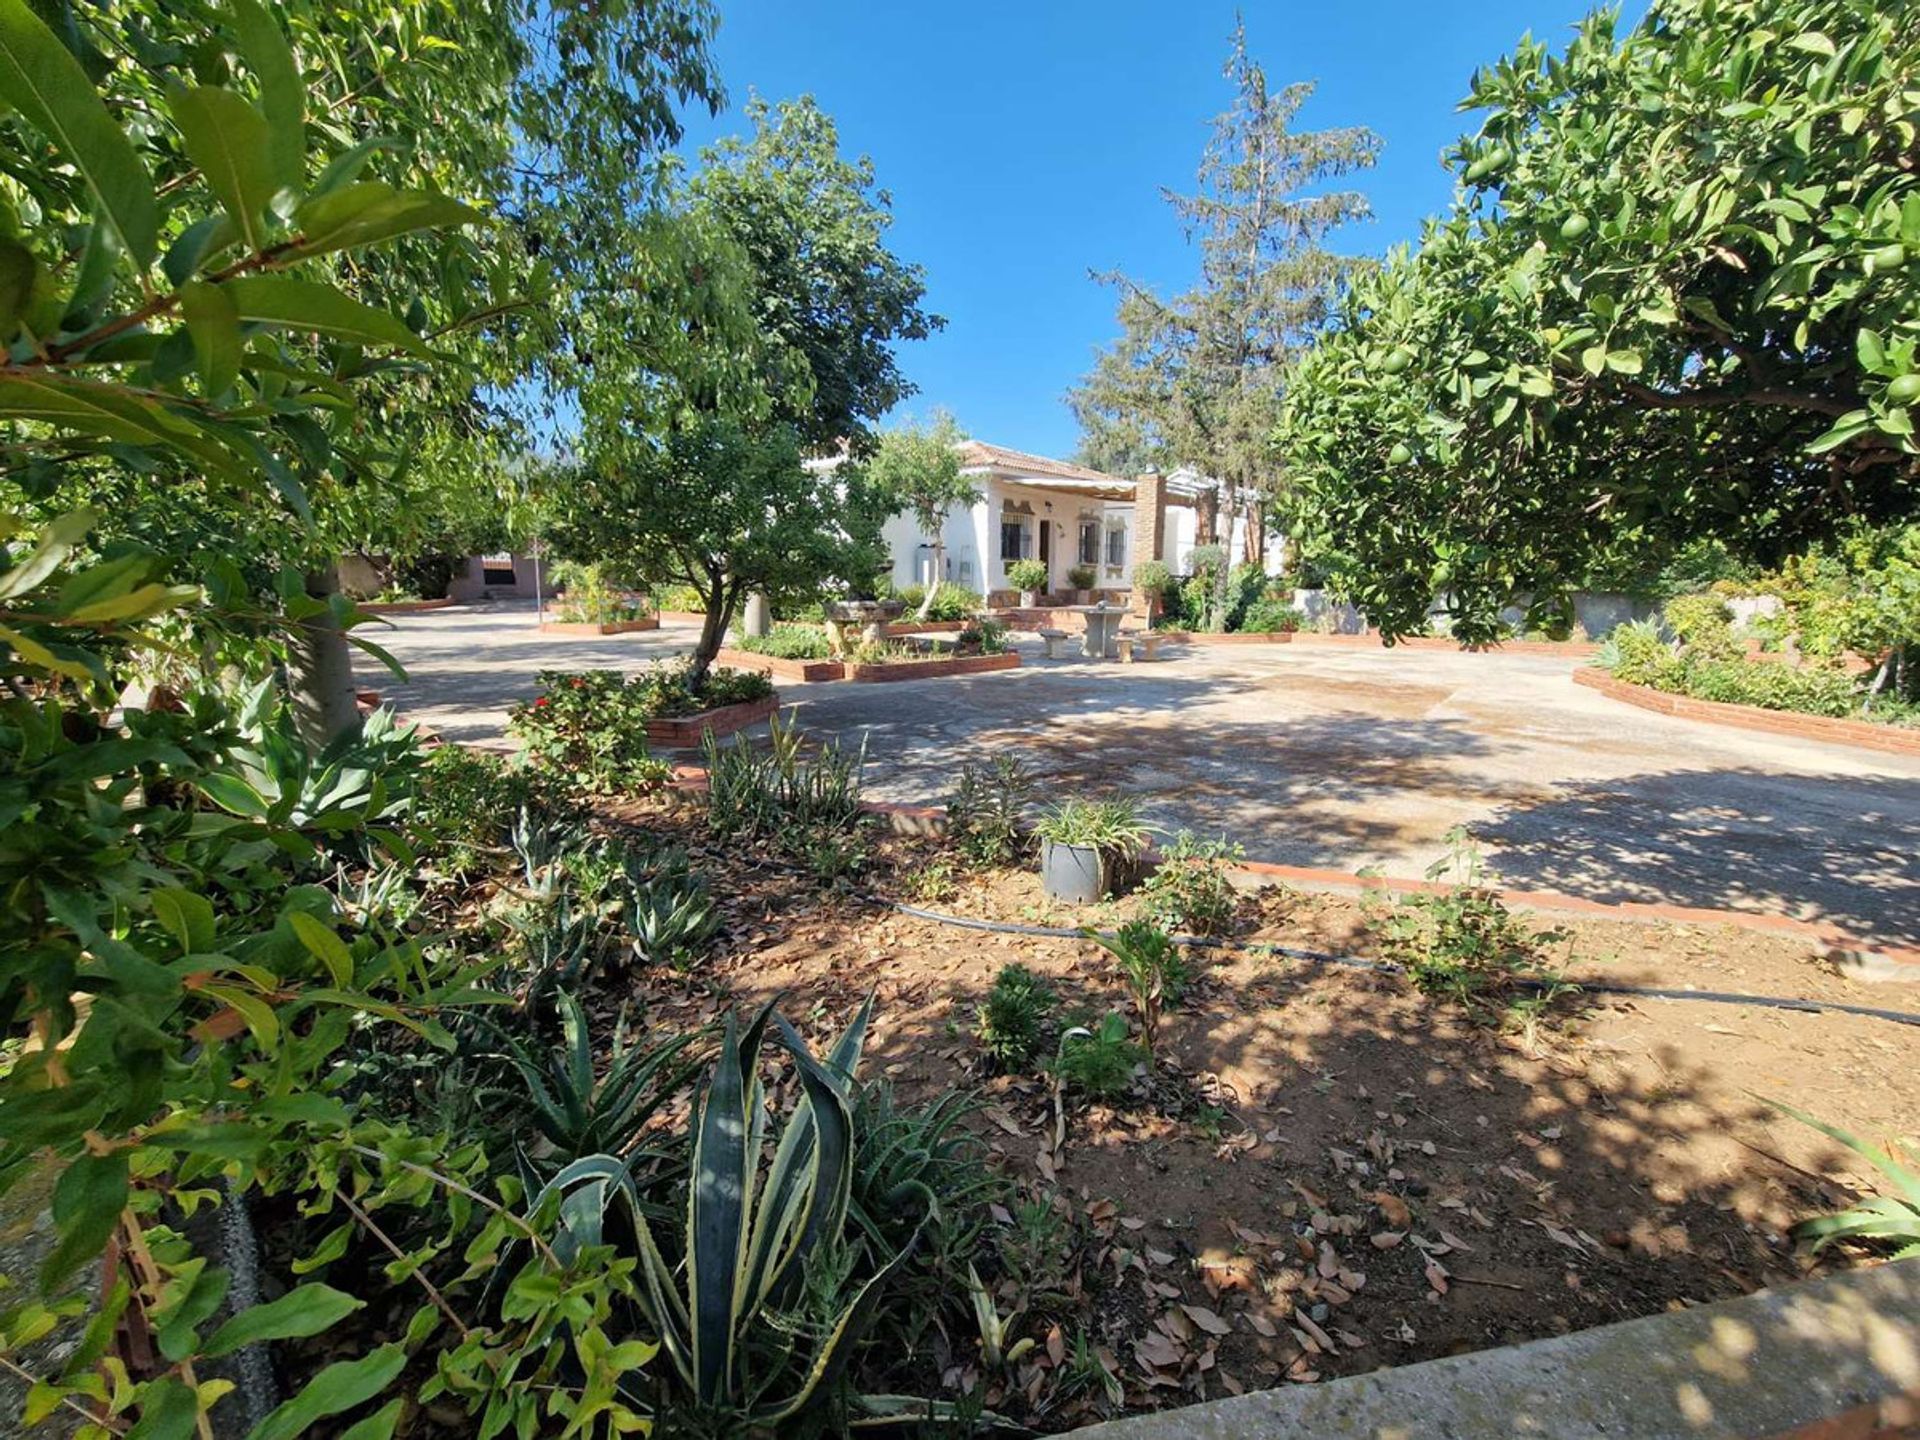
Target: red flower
540, 702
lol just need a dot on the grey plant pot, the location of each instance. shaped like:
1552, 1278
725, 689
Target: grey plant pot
1077, 874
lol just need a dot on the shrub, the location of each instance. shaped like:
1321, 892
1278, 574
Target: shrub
1027, 575
1270, 615
787, 642
984, 816
466, 803
1462, 943
428, 576
591, 729
683, 598
950, 601
1098, 1062
663, 692
808, 808
1152, 577
988, 637
1635, 652
1206, 560
1081, 577
1190, 890
1112, 826
1704, 626
1014, 1016
1153, 969
589, 598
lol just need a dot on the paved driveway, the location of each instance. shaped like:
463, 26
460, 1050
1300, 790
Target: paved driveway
1341, 758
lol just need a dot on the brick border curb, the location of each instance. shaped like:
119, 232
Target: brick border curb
889, 670
1861, 734
810, 671
1237, 637
684, 732
581, 627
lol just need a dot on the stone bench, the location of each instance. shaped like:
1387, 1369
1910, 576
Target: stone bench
1053, 640
1144, 641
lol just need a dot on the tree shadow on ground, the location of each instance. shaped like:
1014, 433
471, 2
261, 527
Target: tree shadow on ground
1567, 1180
1844, 851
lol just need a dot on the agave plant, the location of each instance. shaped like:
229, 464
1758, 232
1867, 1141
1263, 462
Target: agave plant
581, 1112
670, 918
756, 1251
1892, 1219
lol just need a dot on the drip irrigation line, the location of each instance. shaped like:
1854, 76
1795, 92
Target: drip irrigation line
1360, 962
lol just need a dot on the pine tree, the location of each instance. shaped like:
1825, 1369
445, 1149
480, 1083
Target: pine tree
1196, 379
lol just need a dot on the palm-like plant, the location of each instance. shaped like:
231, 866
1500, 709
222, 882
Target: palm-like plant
1892, 1219
582, 1112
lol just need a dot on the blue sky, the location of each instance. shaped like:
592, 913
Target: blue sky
1026, 143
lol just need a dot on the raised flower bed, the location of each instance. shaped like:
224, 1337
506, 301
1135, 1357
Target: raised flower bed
929, 668
1867, 734
607, 627
1203, 637
781, 666
402, 607
682, 732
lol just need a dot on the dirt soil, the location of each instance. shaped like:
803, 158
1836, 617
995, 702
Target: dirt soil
1329, 1173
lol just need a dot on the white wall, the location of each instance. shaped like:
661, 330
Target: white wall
912, 556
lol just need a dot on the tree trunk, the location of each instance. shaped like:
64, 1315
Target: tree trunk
320, 670
713, 633
933, 583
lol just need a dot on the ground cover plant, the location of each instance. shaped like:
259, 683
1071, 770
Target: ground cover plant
788, 642
588, 597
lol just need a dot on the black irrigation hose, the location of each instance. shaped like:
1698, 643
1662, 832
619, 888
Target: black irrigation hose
1359, 962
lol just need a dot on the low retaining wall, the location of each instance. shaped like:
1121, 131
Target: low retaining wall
683, 617
1572, 649
617, 627
403, 607
1207, 637
1829, 1359
884, 670
781, 667
683, 732
1864, 734
927, 627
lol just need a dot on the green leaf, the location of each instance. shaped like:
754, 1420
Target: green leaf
17, 269
372, 210
149, 599
310, 306
169, 1410
112, 411
324, 945
377, 1426
215, 327
282, 94
1872, 352
40, 78
87, 1201
300, 1312
339, 1387
56, 543
186, 916
232, 144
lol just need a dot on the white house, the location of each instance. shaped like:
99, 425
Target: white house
1062, 514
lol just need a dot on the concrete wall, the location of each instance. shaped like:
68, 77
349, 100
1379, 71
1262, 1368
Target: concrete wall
1597, 612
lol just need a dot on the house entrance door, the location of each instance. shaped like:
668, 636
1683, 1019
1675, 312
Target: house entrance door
1046, 545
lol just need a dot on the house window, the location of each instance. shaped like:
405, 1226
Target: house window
1015, 541
1089, 542
1117, 546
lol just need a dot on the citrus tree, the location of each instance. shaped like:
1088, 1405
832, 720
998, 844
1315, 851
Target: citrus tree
1675, 298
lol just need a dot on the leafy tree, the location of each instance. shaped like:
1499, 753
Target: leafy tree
917, 469
729, 509
1195, 379
761, 334
1675, 300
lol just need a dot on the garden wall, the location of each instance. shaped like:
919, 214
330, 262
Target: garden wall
930, 669
1598, 612
1894, 739
1829, 1359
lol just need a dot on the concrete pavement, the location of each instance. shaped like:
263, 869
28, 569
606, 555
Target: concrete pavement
1334, 757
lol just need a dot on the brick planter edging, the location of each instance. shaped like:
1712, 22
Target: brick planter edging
929, 627
683, 732
1826, 1359
1866, 734
402, 607
683, 617
617, 627
781, 666
1207, 637
1572, 649
885, 670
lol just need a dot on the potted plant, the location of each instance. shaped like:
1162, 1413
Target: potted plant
1088, 848
1029, 577
1080, 578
